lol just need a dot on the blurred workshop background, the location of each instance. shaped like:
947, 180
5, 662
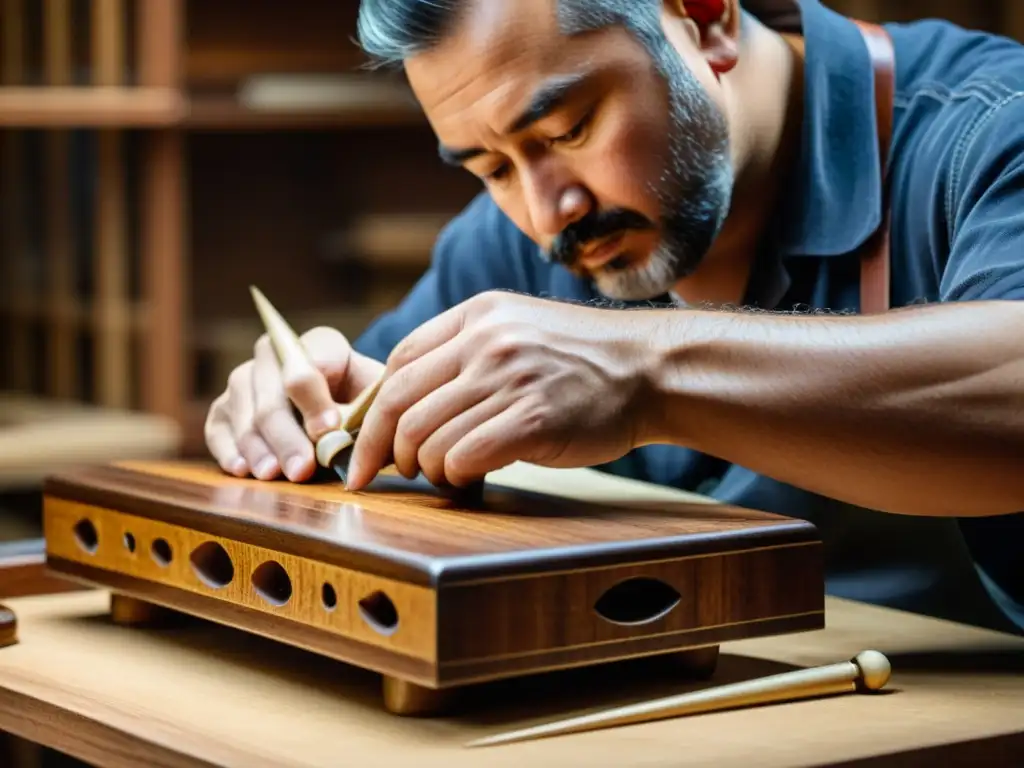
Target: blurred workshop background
159, 156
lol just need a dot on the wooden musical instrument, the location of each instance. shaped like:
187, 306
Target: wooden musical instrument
548, 571
867, 671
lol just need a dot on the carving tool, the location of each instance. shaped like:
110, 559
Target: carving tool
868, 671
334, 449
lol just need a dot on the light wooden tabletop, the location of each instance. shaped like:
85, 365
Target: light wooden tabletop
206, 695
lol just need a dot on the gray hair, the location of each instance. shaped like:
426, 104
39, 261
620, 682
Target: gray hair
391, 31
695, 186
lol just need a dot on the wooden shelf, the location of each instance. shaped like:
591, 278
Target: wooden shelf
226, 112
305, 100
75, 313
93, 107
88, 107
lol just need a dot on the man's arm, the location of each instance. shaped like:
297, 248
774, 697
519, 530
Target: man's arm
916, 412
919, 411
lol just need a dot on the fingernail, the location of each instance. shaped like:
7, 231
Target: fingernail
267, 468
331, 419
353, 472
293, 468
238, 466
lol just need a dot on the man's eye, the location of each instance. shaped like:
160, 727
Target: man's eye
575, 132
498, 173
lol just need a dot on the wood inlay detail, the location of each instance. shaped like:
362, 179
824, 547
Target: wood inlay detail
291, 587
559, 612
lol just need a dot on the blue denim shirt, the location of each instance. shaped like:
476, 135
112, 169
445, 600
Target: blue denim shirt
957, 208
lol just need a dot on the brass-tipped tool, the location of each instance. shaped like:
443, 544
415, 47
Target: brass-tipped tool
334, 449
868, 671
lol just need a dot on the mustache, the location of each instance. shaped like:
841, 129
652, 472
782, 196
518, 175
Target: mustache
596, 225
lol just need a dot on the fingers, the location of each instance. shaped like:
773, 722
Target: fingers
296, 382
241, 418
273, 421
253, 426
510, 435
444, 408
432, 456
346, 371
426, 338
220, 440
399, 392
362, 372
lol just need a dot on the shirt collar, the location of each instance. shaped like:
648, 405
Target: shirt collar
838, 196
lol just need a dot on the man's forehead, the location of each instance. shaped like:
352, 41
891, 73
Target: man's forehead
492, 38
485, 23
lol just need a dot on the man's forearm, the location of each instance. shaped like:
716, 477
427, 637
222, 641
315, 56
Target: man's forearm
919, 411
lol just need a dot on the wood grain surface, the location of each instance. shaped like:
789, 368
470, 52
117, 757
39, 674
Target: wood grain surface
23, 570
403, 581
206, 695
279, 590
407, 529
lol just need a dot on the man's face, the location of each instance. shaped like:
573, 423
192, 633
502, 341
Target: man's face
614, 161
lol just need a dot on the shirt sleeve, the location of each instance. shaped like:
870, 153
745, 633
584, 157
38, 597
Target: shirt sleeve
986, 210
986, 262
479, 250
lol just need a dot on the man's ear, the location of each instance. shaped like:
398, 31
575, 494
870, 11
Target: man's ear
714, 27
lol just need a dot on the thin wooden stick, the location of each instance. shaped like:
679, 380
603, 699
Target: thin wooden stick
868, 671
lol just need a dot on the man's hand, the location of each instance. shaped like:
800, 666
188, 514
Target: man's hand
504, 378
252, 427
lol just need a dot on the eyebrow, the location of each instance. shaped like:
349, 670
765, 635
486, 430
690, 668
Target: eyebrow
550, 96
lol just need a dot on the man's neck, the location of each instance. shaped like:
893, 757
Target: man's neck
766, 141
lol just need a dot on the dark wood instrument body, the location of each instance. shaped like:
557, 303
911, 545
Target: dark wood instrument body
402, 580
8, 627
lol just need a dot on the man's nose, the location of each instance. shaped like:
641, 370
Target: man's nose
553, 208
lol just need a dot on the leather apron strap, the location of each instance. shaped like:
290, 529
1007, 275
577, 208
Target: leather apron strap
874, 264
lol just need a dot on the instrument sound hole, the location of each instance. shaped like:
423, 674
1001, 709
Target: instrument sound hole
86, 535
329, 596
637, 601
212, 564
379, 612
272, 583
129, 541
161, 552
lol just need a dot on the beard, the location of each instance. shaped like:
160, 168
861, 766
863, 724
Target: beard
693, 192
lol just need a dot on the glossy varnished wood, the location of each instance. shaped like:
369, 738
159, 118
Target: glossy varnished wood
407, 529
403, 580
23, 570
165, 554
8, 627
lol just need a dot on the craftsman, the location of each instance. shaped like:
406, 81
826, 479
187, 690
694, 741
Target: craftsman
662, 278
